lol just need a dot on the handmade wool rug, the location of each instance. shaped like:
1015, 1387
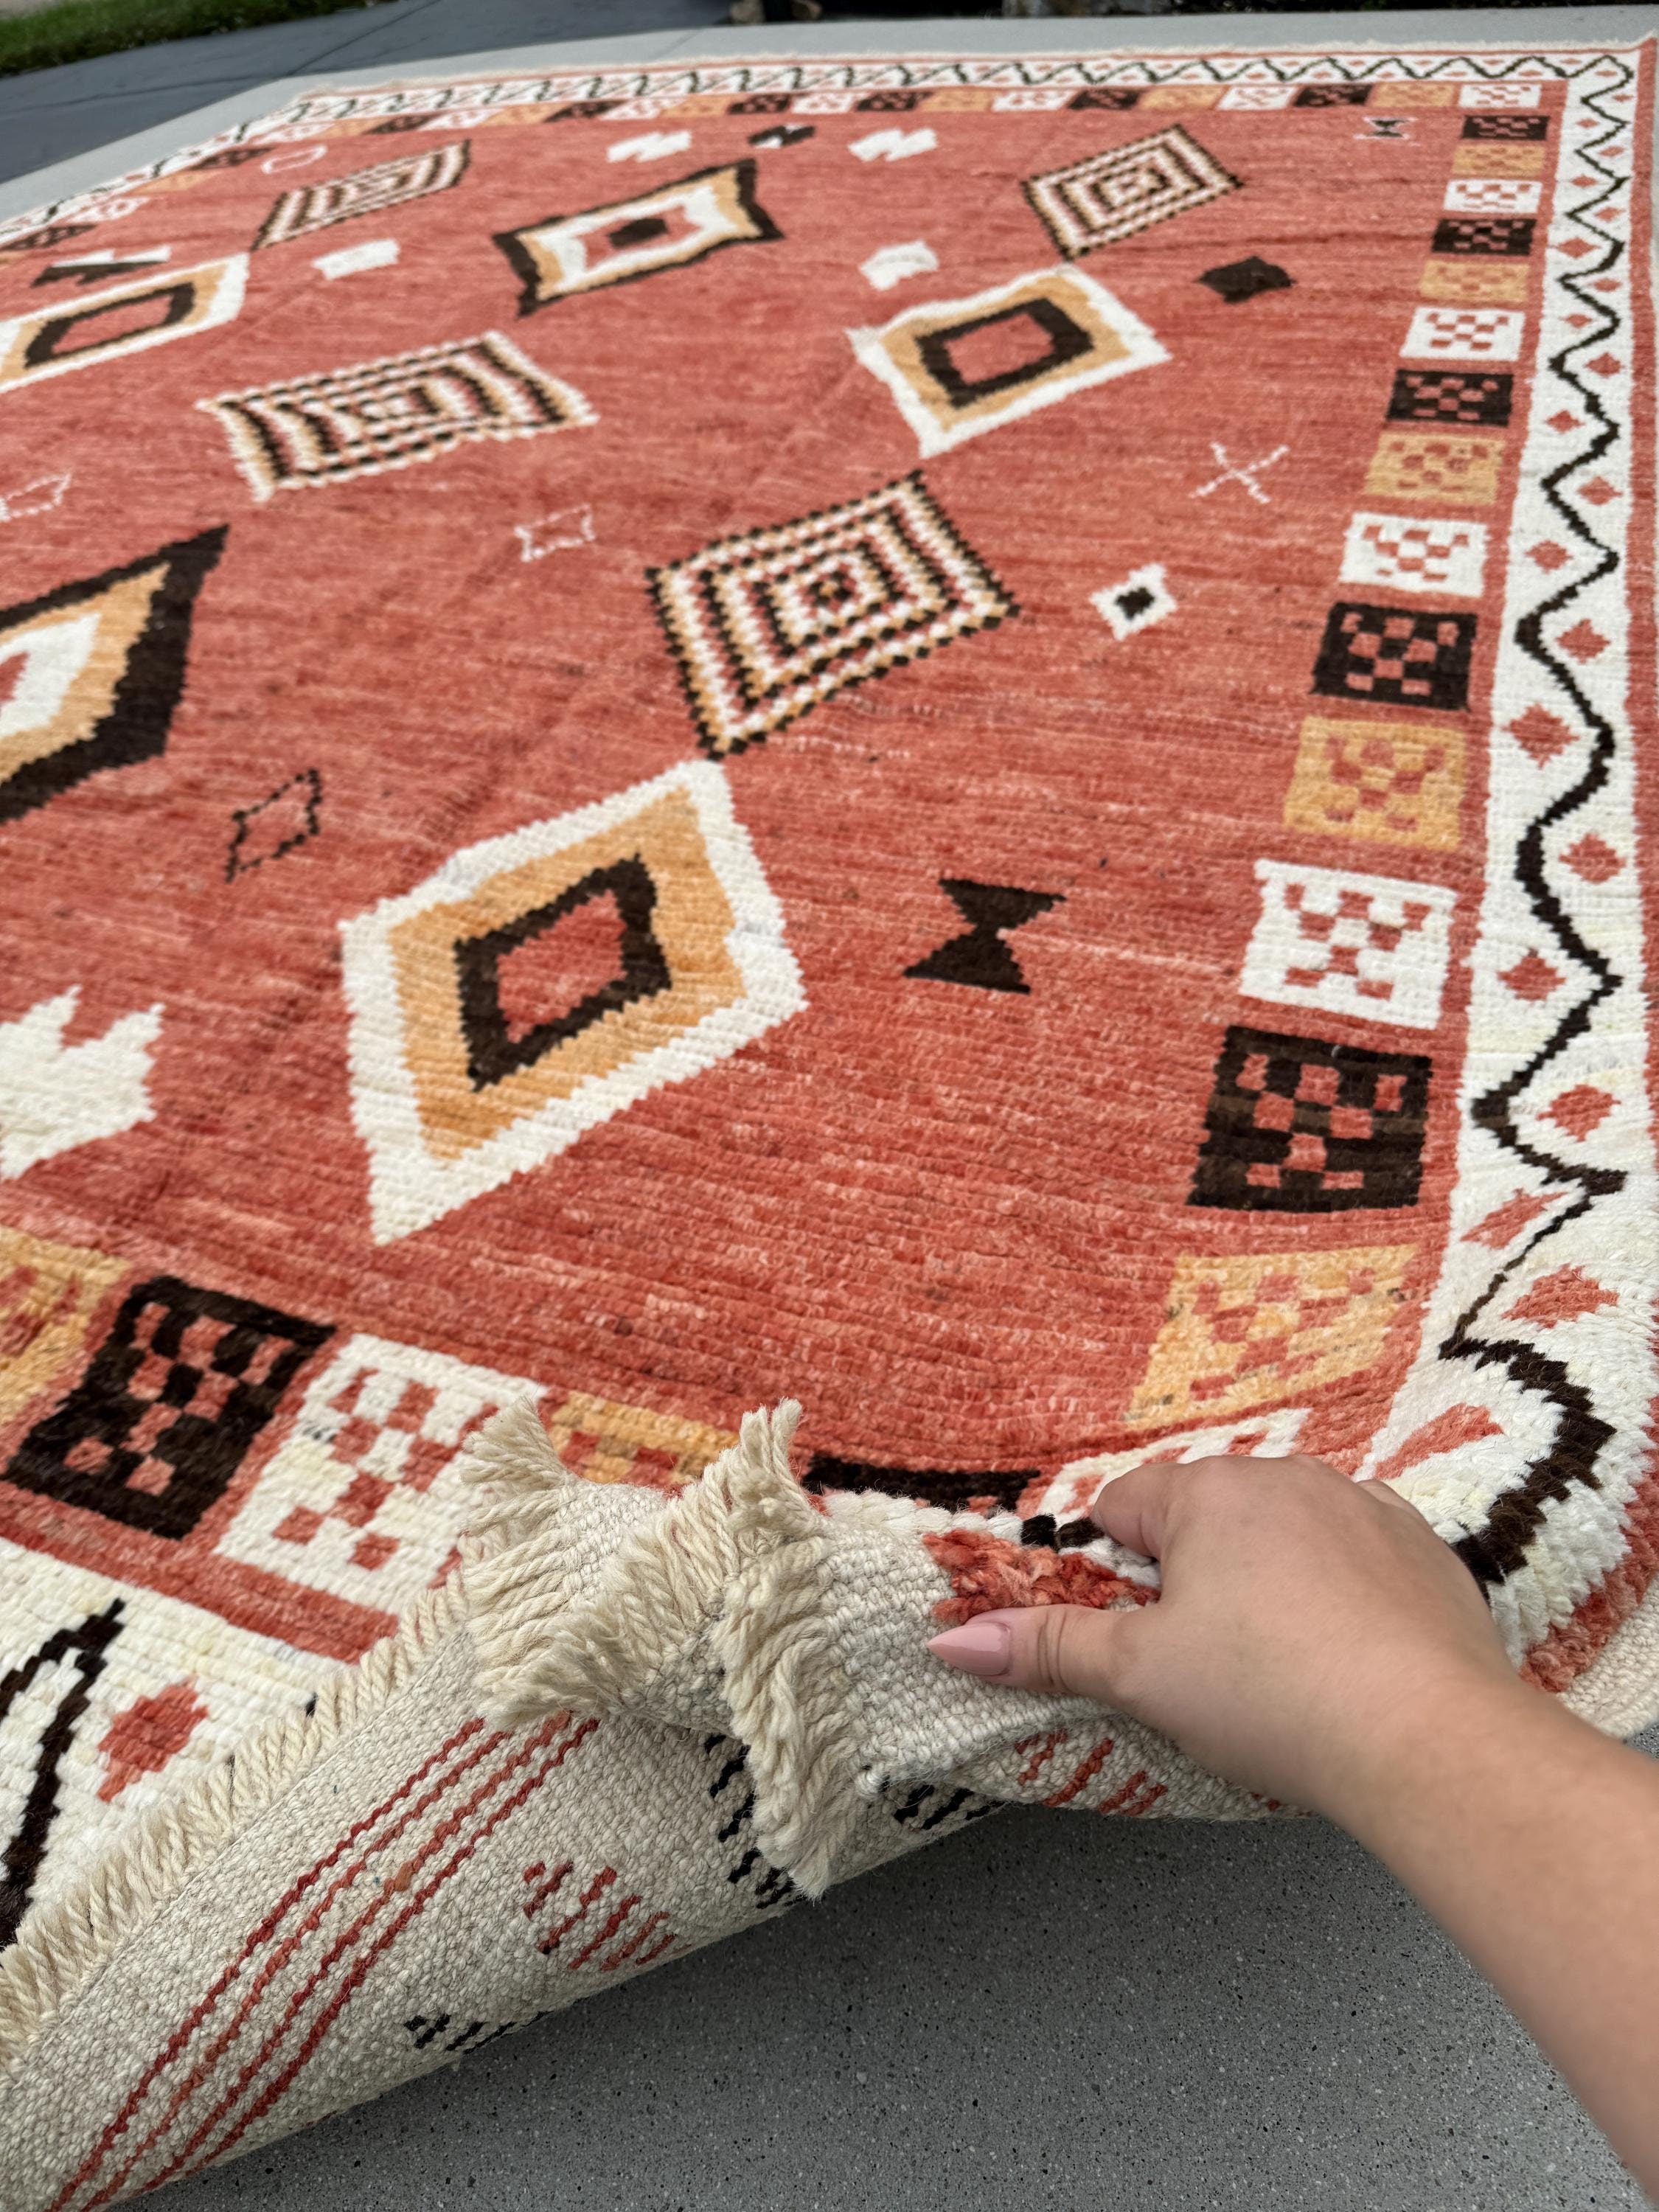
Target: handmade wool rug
970, 740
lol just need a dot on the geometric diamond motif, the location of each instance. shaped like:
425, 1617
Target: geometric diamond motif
1111, 196
90, 673
1142, 599
957, 368
1387, 654
541, 982
1296, 1125
767, 625
365, 191
168, 1408
1250, 1331
281, 822
389, 413
1372, 946
361, 1497
1393, 783
666, 228
174, 304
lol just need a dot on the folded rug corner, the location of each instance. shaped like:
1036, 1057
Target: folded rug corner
796, 1624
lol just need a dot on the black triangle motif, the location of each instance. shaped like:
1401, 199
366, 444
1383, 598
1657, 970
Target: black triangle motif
979, 957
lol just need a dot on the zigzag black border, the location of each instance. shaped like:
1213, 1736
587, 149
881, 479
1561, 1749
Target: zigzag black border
737, 78
1499, 1549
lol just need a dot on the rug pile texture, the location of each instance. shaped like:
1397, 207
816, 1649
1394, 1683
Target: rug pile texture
969, 740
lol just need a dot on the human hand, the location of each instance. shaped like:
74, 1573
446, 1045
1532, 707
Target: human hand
1310, 1633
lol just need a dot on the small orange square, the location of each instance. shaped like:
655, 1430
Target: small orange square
606, 1442
1484, 283
48, 1296
966, 99
1485, 157
1431, 463
181, 180
1180, 95
1267, 1328
1393, 783
506, 119
1385, 96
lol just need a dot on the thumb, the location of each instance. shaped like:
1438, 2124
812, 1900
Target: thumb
1068, 1650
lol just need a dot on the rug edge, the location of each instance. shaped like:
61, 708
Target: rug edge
69, 1941
1618, 1691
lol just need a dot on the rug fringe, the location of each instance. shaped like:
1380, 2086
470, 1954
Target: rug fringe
727, 1579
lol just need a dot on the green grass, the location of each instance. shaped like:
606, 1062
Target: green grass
75, 30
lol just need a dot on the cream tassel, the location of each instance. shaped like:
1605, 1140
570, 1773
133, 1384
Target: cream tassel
720, 1593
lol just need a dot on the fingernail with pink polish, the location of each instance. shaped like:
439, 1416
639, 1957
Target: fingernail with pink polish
978, 1647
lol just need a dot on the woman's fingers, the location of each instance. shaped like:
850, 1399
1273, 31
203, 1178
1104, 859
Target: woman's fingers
1134, 1509
1072, 1650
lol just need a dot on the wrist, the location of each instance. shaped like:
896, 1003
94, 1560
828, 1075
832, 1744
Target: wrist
1425, 1743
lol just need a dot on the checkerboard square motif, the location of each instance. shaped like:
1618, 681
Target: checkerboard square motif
311, 207
1492, 195
1503, 92
1299, 1125
1107, 196
1395, 783
767, 625
1373, 947
168, 1407
604, 1442
1464, 334
1475, 283
1490, 233
1506, 128
1452, 398
1435, 465
1260, 97
1259, 1330
361, 1499
1390, 654
1484, 160
958, 367
387, 414
1415, 553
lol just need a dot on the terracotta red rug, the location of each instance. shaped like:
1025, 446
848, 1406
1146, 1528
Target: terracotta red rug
973, 740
